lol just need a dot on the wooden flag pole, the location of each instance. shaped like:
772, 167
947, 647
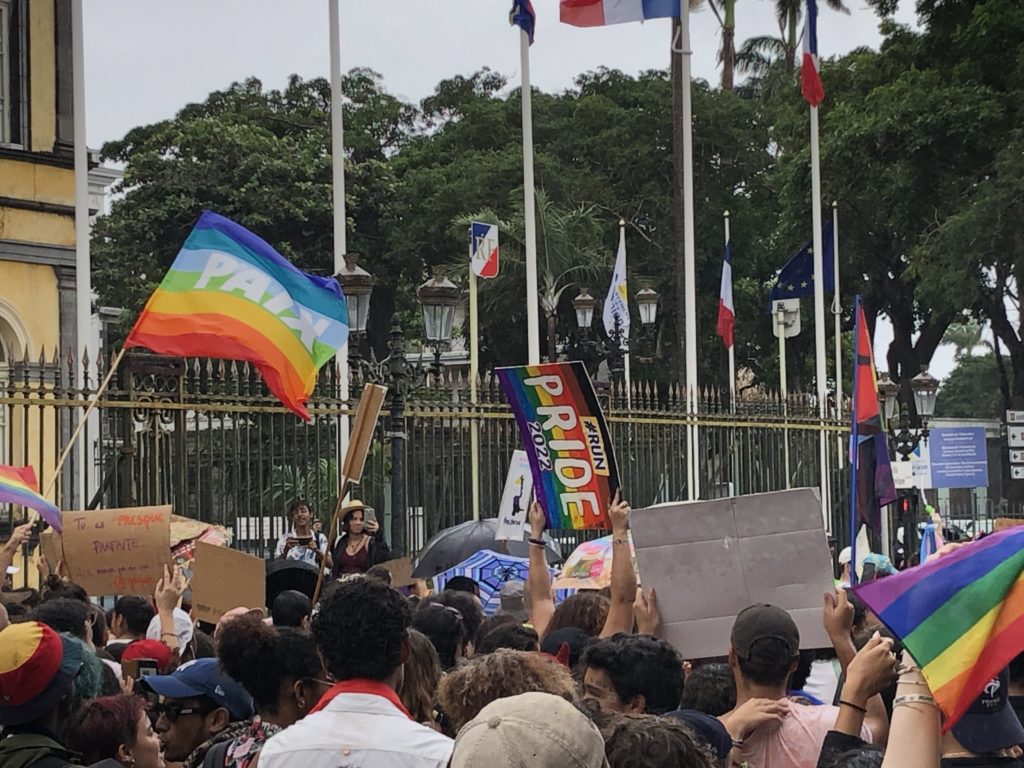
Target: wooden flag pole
82, 422
367, 413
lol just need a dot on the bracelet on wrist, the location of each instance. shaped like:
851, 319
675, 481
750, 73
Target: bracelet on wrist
851, 705
914, 698
538, 542
737, 743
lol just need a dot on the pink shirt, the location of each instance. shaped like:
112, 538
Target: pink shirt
796, 741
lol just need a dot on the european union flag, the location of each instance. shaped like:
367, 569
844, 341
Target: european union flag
797, 277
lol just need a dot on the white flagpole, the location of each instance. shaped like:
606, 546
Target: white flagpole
732, 347
819, 316
689, 248
784, 391
529, 207
474, 371
338, 187
83, 260
625, 359
837, 314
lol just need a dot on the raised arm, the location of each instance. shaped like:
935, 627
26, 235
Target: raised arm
10, 550
915, 737
538, 580
620, 613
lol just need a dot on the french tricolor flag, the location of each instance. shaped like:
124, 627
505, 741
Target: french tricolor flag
810, 80
600, 13
726, 309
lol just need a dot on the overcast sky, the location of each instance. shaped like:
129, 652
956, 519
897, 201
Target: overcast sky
147, 59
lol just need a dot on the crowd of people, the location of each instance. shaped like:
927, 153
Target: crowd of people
372, 677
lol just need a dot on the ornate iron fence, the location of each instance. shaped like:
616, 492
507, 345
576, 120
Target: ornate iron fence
204, 436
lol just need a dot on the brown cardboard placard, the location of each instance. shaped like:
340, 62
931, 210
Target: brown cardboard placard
367, 412
116, 551
401, 571
1005, 523
223, 579
709, 560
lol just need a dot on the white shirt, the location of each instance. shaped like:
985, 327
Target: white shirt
357, 730
300, 552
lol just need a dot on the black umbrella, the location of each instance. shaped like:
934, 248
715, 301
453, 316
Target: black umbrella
453, 545
283, 575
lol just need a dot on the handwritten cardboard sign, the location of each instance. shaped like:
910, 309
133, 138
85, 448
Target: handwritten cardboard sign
223, 579
567, 440
711, 559
117, 551
515, 499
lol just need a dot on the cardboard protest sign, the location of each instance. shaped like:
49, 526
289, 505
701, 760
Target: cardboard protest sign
367, 412
223, 579
401, 571
515, 499
709, 560
567, 441
117, 551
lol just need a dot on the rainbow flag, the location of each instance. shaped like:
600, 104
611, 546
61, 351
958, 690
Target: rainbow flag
566, 438
228, 294
960, 616
18, 485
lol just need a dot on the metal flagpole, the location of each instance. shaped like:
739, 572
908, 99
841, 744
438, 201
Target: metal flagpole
819, 316
837, 314
732, 347
338, 187
474, 371
689, 266
783, 389
83, 261
529, 206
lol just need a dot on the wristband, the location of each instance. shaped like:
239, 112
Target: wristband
538, 542
851, 705
914, 699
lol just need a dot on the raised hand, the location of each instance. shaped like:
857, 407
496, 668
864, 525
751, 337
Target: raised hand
838, 617
618, 513
754, 713
872, 670
645, 611
537, 520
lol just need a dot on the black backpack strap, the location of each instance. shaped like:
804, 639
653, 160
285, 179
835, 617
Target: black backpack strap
216, 756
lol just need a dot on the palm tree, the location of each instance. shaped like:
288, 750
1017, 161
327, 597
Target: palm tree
568, 250
757, 53
316, 484
965, 336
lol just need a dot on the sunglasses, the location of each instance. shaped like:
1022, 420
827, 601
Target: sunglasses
173, 711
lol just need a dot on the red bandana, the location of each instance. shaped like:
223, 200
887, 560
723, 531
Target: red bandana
359, 685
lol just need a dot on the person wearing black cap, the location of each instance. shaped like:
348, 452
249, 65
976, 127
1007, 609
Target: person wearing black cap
765, 650
989, 733
200, 708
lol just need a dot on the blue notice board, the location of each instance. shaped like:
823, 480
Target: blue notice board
959, 458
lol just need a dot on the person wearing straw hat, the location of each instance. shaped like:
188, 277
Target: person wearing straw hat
362, 544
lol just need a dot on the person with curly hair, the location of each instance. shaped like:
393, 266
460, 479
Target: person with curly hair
463, 693
646, 741
636, 674
281, 670
116, 729
362, 631
587, 611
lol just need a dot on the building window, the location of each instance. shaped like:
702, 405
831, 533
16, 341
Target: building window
12, 72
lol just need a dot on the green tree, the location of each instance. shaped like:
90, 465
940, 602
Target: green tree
967, 392
965, 337
316, 484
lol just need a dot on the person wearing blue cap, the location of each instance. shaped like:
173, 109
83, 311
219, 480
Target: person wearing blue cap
200, 709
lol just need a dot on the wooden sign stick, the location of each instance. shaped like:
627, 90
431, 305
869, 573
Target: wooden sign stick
367, 413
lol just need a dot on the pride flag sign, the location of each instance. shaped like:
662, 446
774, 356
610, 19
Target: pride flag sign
228, 294
567, 441
18, 485
960, 616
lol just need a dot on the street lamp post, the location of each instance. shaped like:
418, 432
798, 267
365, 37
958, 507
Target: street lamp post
904, 437
647, 302
439, 298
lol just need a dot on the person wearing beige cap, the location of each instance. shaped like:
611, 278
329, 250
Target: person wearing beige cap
531, 730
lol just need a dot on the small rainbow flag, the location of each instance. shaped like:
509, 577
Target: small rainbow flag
567, 441
18, 485
960, 616
228, 294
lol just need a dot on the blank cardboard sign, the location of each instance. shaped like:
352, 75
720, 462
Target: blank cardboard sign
709, 560
224, 579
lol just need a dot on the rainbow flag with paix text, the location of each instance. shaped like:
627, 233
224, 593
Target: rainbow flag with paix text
961, 616
18, 485
230, 295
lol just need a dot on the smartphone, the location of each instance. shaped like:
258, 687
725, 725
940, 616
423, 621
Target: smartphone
138, 668
368, 516
304, 540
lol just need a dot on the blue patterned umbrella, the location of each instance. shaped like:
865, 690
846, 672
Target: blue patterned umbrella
490, 570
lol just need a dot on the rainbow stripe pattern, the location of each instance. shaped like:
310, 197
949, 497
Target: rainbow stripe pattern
566, 438
961, 616
228, 294
18, 485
